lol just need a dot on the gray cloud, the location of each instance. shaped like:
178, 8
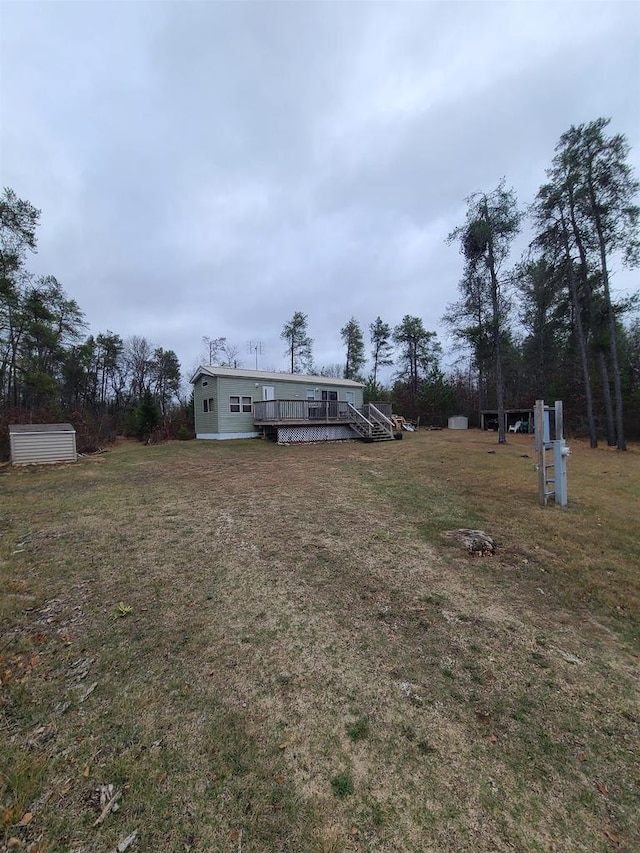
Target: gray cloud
210, 168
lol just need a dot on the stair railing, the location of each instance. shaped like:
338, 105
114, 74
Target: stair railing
363, 426
376, 416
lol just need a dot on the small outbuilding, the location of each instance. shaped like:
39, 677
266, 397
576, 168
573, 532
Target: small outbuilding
458, 422
38, 444
515, 420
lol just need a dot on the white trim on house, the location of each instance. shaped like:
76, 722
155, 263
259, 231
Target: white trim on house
219, 436
267, 375
244, 407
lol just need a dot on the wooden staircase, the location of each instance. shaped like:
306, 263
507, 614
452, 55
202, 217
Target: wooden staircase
370, 424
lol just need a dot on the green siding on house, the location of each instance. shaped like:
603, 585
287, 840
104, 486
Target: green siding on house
236, 421
225, 422
206, 422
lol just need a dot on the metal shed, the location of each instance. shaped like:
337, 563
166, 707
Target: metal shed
42, 443
458, 422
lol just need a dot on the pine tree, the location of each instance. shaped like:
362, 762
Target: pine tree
419, 352
381, 349
352, 337
298, 342
147, 416
492, 223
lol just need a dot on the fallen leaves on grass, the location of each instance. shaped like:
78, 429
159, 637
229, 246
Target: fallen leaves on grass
7, 815
122, 610
66, 787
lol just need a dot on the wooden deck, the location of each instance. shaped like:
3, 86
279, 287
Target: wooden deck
308, 417
301, 412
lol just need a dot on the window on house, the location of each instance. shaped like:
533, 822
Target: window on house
311, 394
208, 405
329, 395
240, 404
205, 382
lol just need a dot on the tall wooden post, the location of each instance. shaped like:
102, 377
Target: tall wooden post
540, 451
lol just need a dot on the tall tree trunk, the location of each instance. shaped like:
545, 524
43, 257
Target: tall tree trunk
582, 344
606, 399
611, 320
497, 337
586, 292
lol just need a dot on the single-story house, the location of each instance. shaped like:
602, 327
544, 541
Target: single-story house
42, 443
289, 407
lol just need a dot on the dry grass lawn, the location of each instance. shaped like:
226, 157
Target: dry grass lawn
270, 648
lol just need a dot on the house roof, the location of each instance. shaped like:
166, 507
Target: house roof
231, 372
35, 428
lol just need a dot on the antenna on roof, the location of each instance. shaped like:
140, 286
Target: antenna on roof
256, 347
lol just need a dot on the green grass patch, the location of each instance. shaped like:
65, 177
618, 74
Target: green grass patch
342, 785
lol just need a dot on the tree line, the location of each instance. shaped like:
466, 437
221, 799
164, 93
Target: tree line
50, 370
548, 325
573, 342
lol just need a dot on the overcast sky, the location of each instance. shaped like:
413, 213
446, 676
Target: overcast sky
210, 168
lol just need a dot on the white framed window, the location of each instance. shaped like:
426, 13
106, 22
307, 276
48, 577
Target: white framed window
205, 382
208, 404
240, 404
350, 397
311, 394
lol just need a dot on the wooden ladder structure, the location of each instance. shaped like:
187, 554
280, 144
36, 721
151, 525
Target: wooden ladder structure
551, 453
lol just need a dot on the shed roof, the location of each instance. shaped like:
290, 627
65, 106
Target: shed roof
231, 372
22, 428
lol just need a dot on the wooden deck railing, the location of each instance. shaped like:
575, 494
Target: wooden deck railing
374, 414
279, 411
384, 408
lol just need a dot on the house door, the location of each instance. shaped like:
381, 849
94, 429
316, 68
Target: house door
331, 406
269, 394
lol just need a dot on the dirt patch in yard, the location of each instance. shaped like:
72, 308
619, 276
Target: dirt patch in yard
303, 661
